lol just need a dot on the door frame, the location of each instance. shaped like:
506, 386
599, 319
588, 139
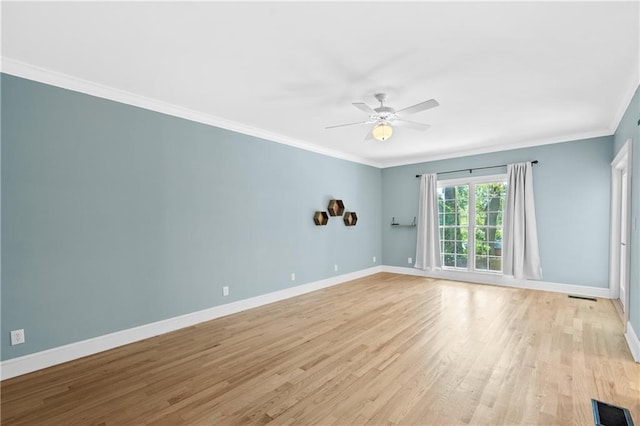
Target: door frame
620, 164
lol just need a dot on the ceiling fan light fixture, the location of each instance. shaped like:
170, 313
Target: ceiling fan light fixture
382, 131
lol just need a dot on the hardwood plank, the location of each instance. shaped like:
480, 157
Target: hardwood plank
386, 349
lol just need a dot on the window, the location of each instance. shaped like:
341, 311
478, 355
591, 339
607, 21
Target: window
470, 219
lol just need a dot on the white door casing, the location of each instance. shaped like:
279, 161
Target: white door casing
624, 222
619, 248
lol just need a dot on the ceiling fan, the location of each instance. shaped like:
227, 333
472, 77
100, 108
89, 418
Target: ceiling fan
383, 117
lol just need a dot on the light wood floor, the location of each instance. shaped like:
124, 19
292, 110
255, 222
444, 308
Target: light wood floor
386, 349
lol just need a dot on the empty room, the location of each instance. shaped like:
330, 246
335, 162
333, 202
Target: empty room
314, 213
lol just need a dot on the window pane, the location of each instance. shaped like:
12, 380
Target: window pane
489, 202
481, 262
481, 234
461, 261
462, 196
449, 219
449, 260
490, 196
453, 203
461, 247
496, 219
449, 246
481, 217
449, 233
450, 205
495, 263
482, 248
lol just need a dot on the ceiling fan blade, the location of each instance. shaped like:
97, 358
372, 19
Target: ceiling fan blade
364, 107
411, 124
431, 103
349, 124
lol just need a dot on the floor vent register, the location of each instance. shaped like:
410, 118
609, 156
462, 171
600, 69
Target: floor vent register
610, 415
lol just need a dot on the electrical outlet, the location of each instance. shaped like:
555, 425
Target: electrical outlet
225, 290
335, 267
410, 260
17, 337
374, 259
293, 276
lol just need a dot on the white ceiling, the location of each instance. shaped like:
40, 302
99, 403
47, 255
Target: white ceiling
506, 74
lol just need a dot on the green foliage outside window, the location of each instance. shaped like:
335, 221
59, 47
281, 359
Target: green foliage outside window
453, 206
489, 198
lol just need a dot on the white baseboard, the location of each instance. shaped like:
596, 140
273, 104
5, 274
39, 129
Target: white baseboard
39, 360
630, 335
502, 280
633, 342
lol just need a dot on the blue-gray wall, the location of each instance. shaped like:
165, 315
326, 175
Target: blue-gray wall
115, 216
629, 129
571, 185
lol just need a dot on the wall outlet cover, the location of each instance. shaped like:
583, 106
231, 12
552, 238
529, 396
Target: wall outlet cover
225, 291
17, 337
410, 260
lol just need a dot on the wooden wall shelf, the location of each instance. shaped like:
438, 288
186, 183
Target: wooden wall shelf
350, 219
336, 207
321, 218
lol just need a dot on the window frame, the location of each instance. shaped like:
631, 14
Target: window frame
472, 181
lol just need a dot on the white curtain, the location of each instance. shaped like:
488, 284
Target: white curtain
428, 247
520, 253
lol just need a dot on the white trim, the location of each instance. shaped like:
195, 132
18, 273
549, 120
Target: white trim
22, 69
634, 83
614, 235
403, 271
633, 342
39, 360
502, 280
621, 162
427, 158
472, 182
54, 78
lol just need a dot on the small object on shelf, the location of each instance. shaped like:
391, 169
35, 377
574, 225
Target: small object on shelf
321, 218
336, 207
350, 218
411, 225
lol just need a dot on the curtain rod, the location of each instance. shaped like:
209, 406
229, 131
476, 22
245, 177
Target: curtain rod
476, 168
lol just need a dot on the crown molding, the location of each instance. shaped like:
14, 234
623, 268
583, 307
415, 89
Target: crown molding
42, 75
633, 85
496, 148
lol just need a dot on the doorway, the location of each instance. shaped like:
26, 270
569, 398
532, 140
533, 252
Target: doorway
619, 250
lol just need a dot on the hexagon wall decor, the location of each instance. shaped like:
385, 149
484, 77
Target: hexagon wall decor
321, 218
350, 219
336, 207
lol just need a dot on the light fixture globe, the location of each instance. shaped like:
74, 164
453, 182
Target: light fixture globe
382, 131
